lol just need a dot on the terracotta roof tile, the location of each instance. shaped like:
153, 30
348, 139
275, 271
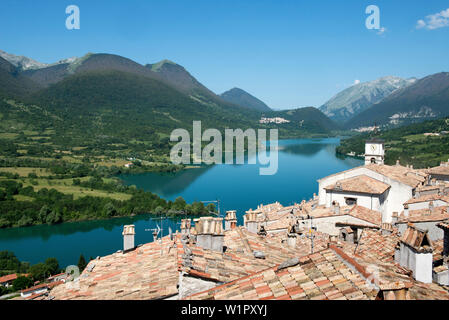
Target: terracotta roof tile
139, 274
360, 184
303, 281
425, 215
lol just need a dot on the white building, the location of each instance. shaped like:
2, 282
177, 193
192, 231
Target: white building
374, 152
375, 186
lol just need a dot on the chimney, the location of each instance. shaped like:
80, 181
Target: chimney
291, 237
394, 218
291, 240
230, 220
262, 232
336, 207
128, 237
387, 228
396, 292
186, 224
406, 211
250, 222
398, 163
416, 253
431, 206
209, 232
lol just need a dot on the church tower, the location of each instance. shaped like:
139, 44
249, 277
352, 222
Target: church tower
374, 151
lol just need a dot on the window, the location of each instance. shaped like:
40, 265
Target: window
373, 160
351, 201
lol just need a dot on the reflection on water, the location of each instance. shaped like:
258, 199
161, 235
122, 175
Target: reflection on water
239, 187
166, 183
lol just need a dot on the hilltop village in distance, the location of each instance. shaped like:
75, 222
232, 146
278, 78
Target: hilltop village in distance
374, 232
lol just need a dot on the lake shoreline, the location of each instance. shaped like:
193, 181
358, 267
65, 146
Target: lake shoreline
238, 187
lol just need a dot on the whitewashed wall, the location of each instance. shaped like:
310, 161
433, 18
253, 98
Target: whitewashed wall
398, 194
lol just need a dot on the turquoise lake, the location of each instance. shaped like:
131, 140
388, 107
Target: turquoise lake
238, 187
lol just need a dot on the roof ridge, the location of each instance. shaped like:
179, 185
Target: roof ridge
244, 240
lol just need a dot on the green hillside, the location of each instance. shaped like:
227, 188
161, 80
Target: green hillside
12, 83
305, 122
408, 144
244, 99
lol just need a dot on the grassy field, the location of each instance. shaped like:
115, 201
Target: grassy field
66, 186
24, 172
62, 185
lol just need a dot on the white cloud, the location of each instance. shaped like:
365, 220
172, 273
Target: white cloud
434, 21
356, 82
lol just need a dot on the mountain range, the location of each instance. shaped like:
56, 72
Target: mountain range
96, 96
425, 99
167, 96
359, 97
244, 99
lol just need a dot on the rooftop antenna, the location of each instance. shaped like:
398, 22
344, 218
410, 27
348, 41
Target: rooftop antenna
311, 234
158, 230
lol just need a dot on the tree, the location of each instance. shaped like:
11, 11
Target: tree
179, 204
25, 221
22, 283
198, 208
159, 210
43, 213
52, 265
211, 207
81, 263
39, 271
109, 210
53, 218
188, 209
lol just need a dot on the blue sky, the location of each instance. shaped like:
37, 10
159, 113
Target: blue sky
287, 53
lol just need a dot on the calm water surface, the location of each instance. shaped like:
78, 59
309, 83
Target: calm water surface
239, 187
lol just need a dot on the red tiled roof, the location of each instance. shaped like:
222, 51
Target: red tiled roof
408, 176
144, 273
238, 260
425, 215
428, 198
417, 239
319, 276
360, 184
7, 278
362, 213
39, 286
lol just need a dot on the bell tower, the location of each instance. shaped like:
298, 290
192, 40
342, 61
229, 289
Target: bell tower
374, 151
